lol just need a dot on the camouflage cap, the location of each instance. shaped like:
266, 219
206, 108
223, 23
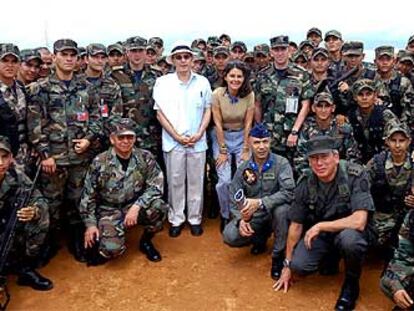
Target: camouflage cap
30, 54
239, 44
95, 49
323, 97
279, 41
321, 144
9, 49
333, 33
123, 126
384, 50
213, 41
248, 56
5, 144
199, 54
115, 47
198, 41
298, 54
163, 60
136, 42
405, 56
363, 84
151, 47
353, 48
314, 30
225, 36
156, 41
306, 43
320, 51
81, 51
410, 40
396, 127
259, 131
221, 50
65, 44
261, 49
293, 44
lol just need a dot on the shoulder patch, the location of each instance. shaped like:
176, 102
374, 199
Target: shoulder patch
355, 169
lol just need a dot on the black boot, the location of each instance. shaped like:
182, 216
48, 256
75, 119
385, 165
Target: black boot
349, 294
146, 247
93, 257
49, 249
28, 276
277, 266
76, 243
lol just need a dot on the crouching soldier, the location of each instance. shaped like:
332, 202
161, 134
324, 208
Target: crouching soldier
123, 187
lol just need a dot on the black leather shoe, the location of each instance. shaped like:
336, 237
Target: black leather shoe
349, 295
150, 251
258, 248
175, 231
35, 280
196, 230
276, 270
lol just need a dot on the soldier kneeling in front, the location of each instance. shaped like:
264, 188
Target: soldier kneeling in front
123, 188
331, 212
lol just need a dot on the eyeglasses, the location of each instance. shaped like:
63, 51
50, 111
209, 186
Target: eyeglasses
180, 57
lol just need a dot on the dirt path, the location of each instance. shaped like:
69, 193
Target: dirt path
195, 274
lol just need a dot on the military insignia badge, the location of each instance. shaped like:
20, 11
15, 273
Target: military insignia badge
249, 176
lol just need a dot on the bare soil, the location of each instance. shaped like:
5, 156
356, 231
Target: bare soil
196, 273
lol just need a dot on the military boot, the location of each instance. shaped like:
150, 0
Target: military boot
76, 243
277, 266
349, 294
146, 247
28, 276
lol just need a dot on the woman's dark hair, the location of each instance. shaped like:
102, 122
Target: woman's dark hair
246, 87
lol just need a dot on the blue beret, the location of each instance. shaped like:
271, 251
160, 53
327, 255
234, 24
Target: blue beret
259, 131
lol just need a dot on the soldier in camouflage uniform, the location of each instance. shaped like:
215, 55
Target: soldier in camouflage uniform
333, 43
267, 183
368, 119
319, 64
399, 89
307, 48
158, 44
32, 224
314, 35
410, 44
397, 281
300, 58
116, 57
390, 175
123, 187
47, 61
110, 99
237, 50
137, 80
13, 108
221, 58
283, 94
63, 122
323, 122
29, 67
405, 64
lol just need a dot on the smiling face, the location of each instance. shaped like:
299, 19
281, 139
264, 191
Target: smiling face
234, 79
9, 66
398, 144
324, 165
182, 62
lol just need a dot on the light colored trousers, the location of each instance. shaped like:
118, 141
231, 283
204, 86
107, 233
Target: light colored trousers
185, 177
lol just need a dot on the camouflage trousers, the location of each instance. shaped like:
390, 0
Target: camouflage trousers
387, 228
63, 190
112, 229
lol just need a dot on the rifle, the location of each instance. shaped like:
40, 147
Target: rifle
22, 197
333, 83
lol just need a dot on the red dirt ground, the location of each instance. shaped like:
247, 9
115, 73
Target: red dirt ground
196, 273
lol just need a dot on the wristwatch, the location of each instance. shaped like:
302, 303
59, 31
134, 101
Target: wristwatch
294, 132
286, 263
261, 205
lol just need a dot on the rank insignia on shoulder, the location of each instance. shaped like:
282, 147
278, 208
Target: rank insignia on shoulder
249, 176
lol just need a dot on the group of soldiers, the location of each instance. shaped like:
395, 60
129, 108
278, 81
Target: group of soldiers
331, 161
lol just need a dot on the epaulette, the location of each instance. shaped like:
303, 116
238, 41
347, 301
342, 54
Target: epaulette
355, 169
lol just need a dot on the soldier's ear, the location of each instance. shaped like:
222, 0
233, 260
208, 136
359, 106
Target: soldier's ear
111, 139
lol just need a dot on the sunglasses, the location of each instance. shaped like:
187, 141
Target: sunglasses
180, 57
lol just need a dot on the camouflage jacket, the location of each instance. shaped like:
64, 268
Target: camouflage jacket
400, 94
215, 79
107, 187
15, 98
273, 93
400, 271
58, 113
389, 183
138, 104
348, 147
274, 184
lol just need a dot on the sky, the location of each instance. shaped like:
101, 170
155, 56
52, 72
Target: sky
34, 23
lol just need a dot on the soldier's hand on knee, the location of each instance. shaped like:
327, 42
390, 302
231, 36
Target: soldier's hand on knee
49, 165
131, 218
284, 281
245, 229
91, 235
402, 299
27, 214
250, 206
310, 235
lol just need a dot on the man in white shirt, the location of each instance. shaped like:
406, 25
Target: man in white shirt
183, 100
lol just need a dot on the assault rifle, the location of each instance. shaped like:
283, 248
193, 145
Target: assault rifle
22, 198
333, 84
